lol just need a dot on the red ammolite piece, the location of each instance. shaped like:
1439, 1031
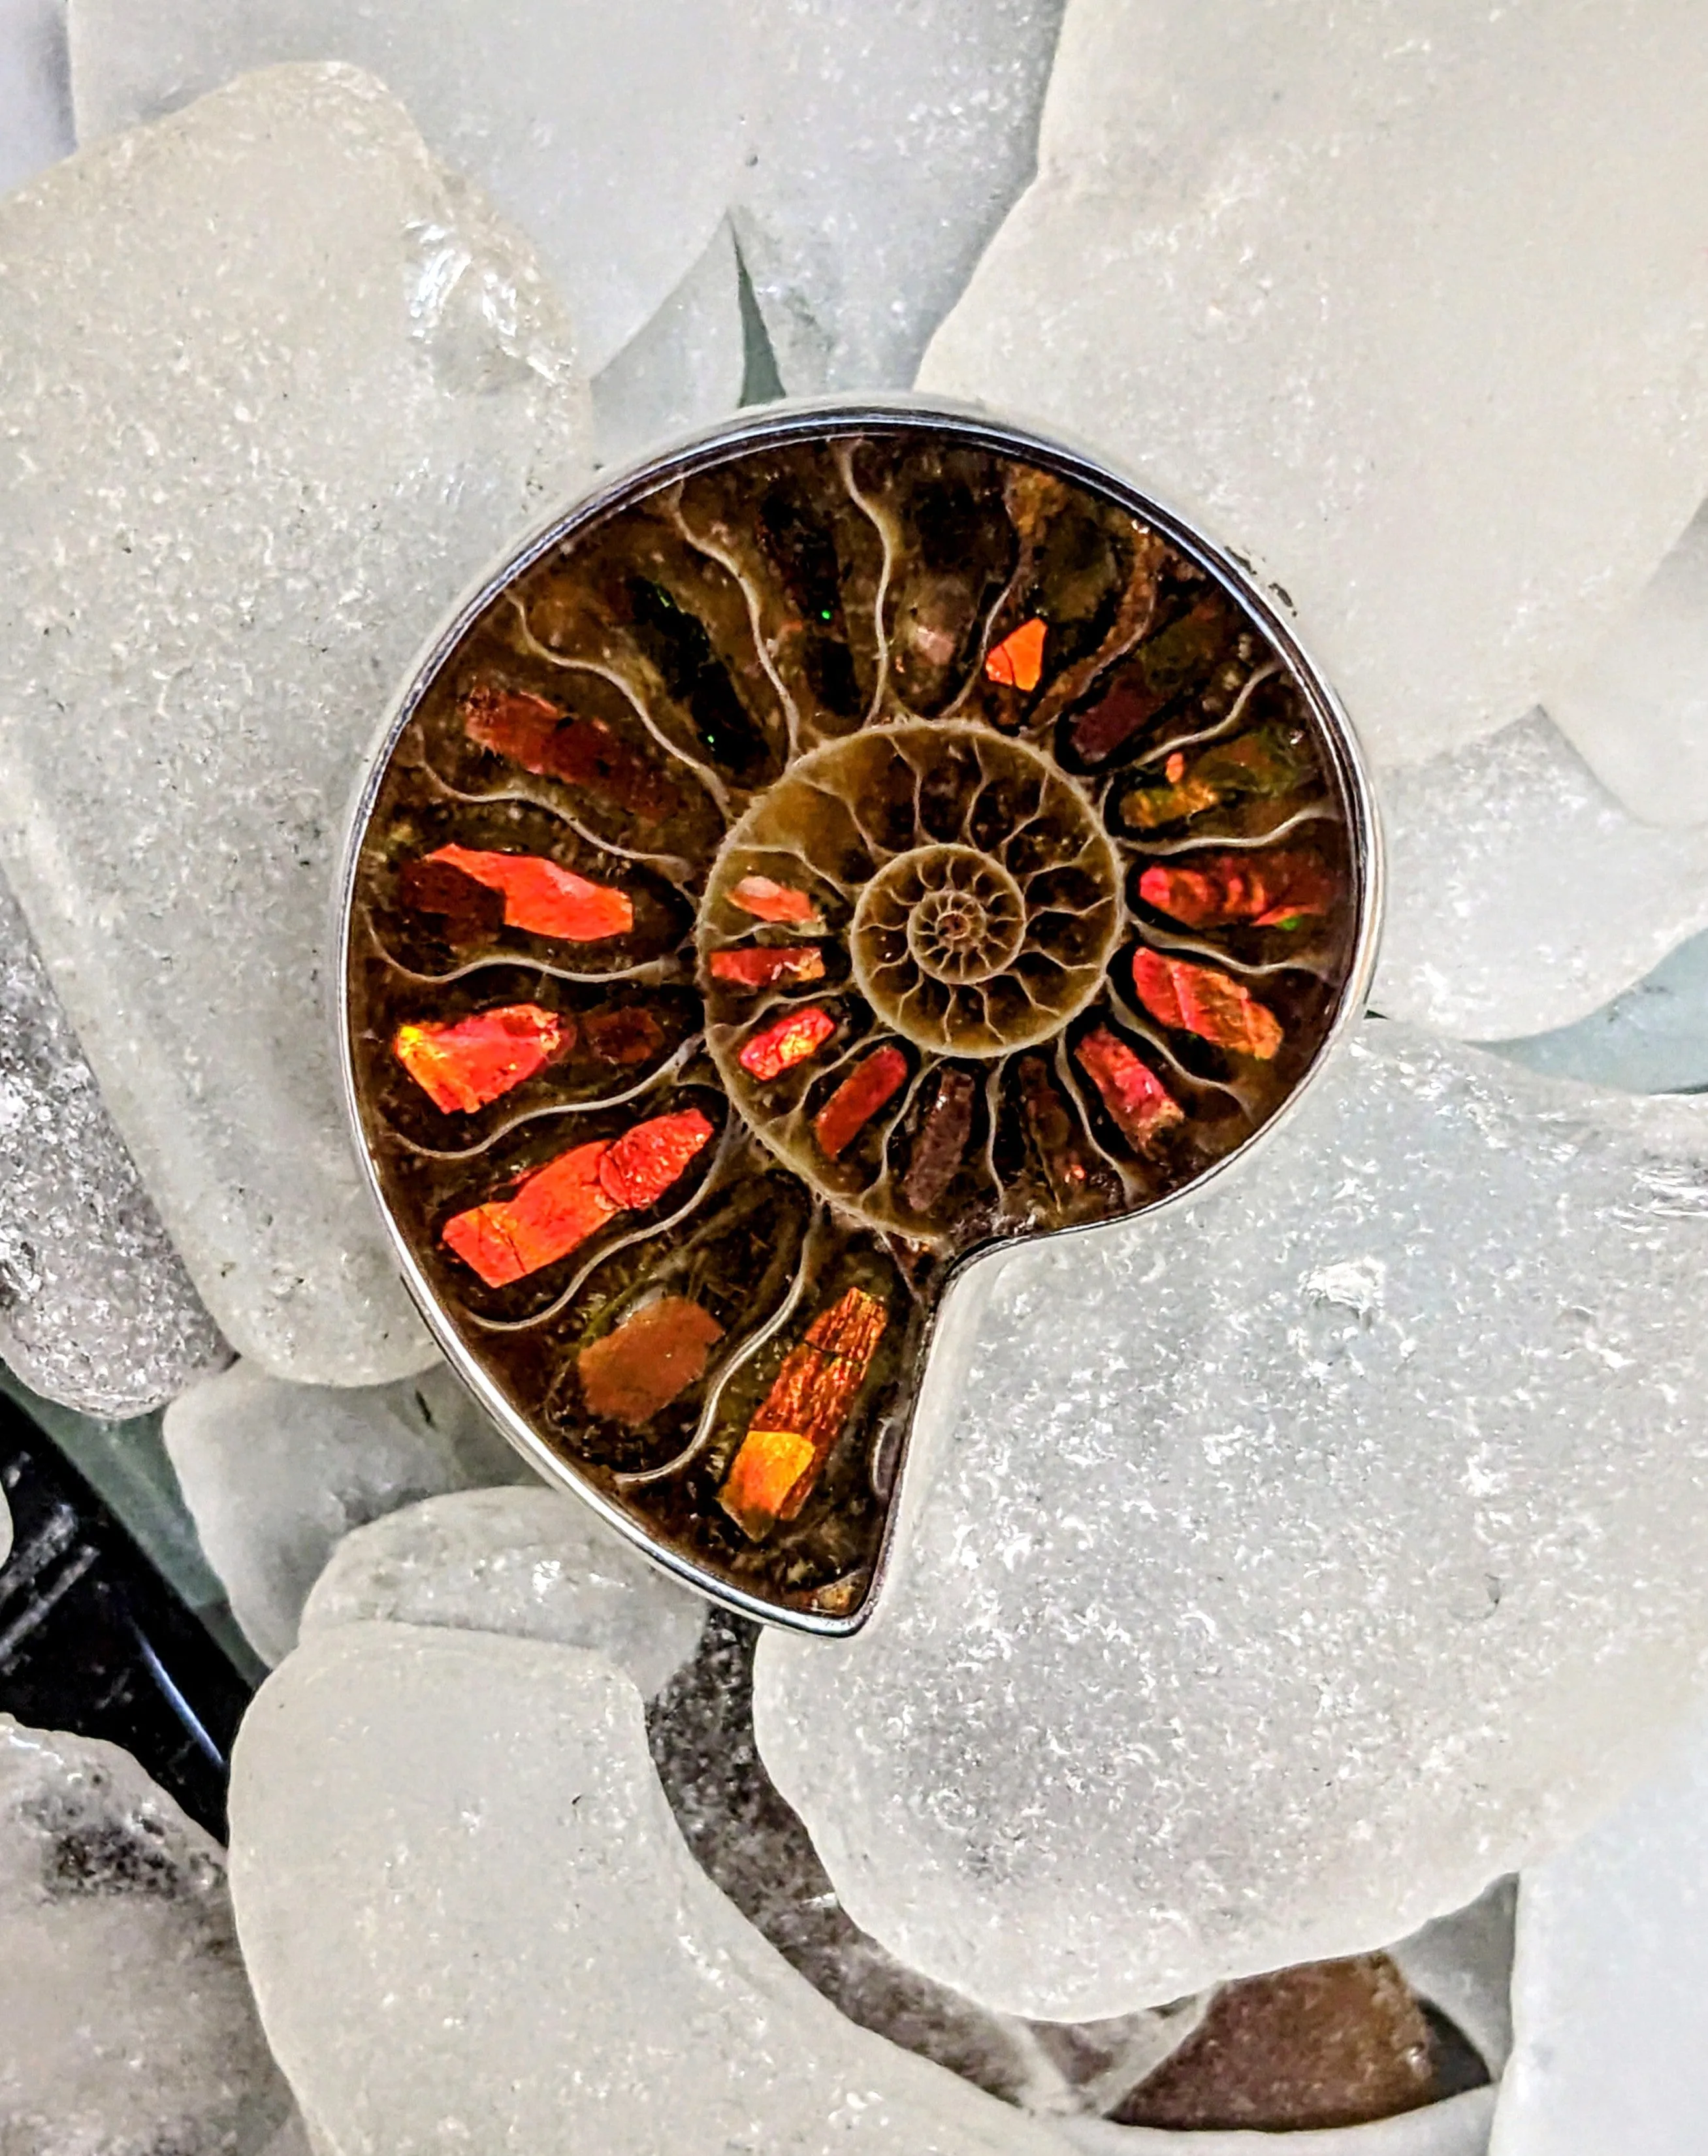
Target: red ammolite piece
793, 1434
625, 1036
466, 1064
790, 1039
858, 1099
940, 1146
1268, 890
1017, 661
513, 723
1198, 999
468, 912
584, 754
766, 966
647, 1360
560, 1205
1141, 1105
775, 902
543, 898
644, 1162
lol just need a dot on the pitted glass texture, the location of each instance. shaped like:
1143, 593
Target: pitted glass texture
828, 855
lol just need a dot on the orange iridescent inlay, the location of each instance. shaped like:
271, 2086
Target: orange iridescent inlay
777, 1048
474, 1061
1201, 1000
554, 1210
1271, 890
802, 1415
629, 1373
858, 1099
557, 1208
641, 1165
541, 897
1142, 1105
768, 966
1017, 661
777, 902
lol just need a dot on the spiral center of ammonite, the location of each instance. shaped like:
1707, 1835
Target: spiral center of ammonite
966, 917
959, 887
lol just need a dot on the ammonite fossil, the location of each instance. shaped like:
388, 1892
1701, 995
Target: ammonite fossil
836, 850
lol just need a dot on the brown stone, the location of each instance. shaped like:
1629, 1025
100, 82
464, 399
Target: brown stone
1333, 2043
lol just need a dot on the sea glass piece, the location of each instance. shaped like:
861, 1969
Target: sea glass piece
1267, 1589
681, 370
35, 89
1652, 1038
1522, 895
1609, 1975
887, 144
276, 1474
612, 137
1304, 274
125, 2019
1462, 1964
293, 2139
212, 570
751, 1846
465, 1907
1636, 709
529, 1562
889, 993
96, 1310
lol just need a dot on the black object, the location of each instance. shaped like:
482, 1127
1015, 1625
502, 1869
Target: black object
92, 1640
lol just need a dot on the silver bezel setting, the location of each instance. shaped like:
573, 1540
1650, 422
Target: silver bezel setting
770, 426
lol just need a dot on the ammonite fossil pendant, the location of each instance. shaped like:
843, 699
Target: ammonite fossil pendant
823, 855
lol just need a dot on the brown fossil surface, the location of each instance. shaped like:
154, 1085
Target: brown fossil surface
814, 867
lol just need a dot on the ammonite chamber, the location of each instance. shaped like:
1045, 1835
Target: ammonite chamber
851, 844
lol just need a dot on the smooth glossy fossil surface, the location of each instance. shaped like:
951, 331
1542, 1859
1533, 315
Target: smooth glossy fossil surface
855, 843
